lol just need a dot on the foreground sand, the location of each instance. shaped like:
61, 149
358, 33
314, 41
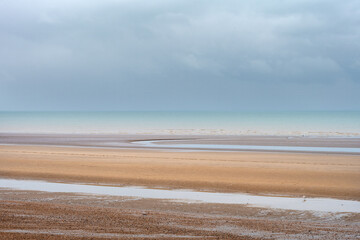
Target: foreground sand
326, 175
39, 215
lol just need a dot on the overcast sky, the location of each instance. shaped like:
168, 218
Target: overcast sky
179, 55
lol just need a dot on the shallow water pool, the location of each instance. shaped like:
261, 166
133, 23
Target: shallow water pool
288, 203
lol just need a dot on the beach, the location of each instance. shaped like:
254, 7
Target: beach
252, 172
41, 215
179, 120
122, 160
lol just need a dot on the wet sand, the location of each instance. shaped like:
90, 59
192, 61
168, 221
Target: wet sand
122, 141
66, 216
40, 215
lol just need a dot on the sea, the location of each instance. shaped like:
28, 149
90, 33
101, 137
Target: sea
287, 123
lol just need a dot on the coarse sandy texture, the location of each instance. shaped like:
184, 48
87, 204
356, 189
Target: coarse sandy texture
326, 175
40, 215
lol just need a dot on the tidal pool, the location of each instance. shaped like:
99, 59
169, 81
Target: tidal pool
288, 203
153, 144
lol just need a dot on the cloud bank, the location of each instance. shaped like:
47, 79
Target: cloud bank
179, 55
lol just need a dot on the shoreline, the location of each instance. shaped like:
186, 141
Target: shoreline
355, 135
123, 140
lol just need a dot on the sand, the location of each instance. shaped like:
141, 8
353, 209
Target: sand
39, 215
325, 175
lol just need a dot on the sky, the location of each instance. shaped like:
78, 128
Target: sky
231, 55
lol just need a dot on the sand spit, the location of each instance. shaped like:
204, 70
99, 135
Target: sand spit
315, 175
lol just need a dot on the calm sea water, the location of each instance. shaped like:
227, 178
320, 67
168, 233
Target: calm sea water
229, 123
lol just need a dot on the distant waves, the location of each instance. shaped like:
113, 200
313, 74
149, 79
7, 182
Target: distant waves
185, 123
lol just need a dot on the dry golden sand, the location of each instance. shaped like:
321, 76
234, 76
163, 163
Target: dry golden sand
328, 175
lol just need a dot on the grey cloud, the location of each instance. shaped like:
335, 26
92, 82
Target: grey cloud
142, 55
